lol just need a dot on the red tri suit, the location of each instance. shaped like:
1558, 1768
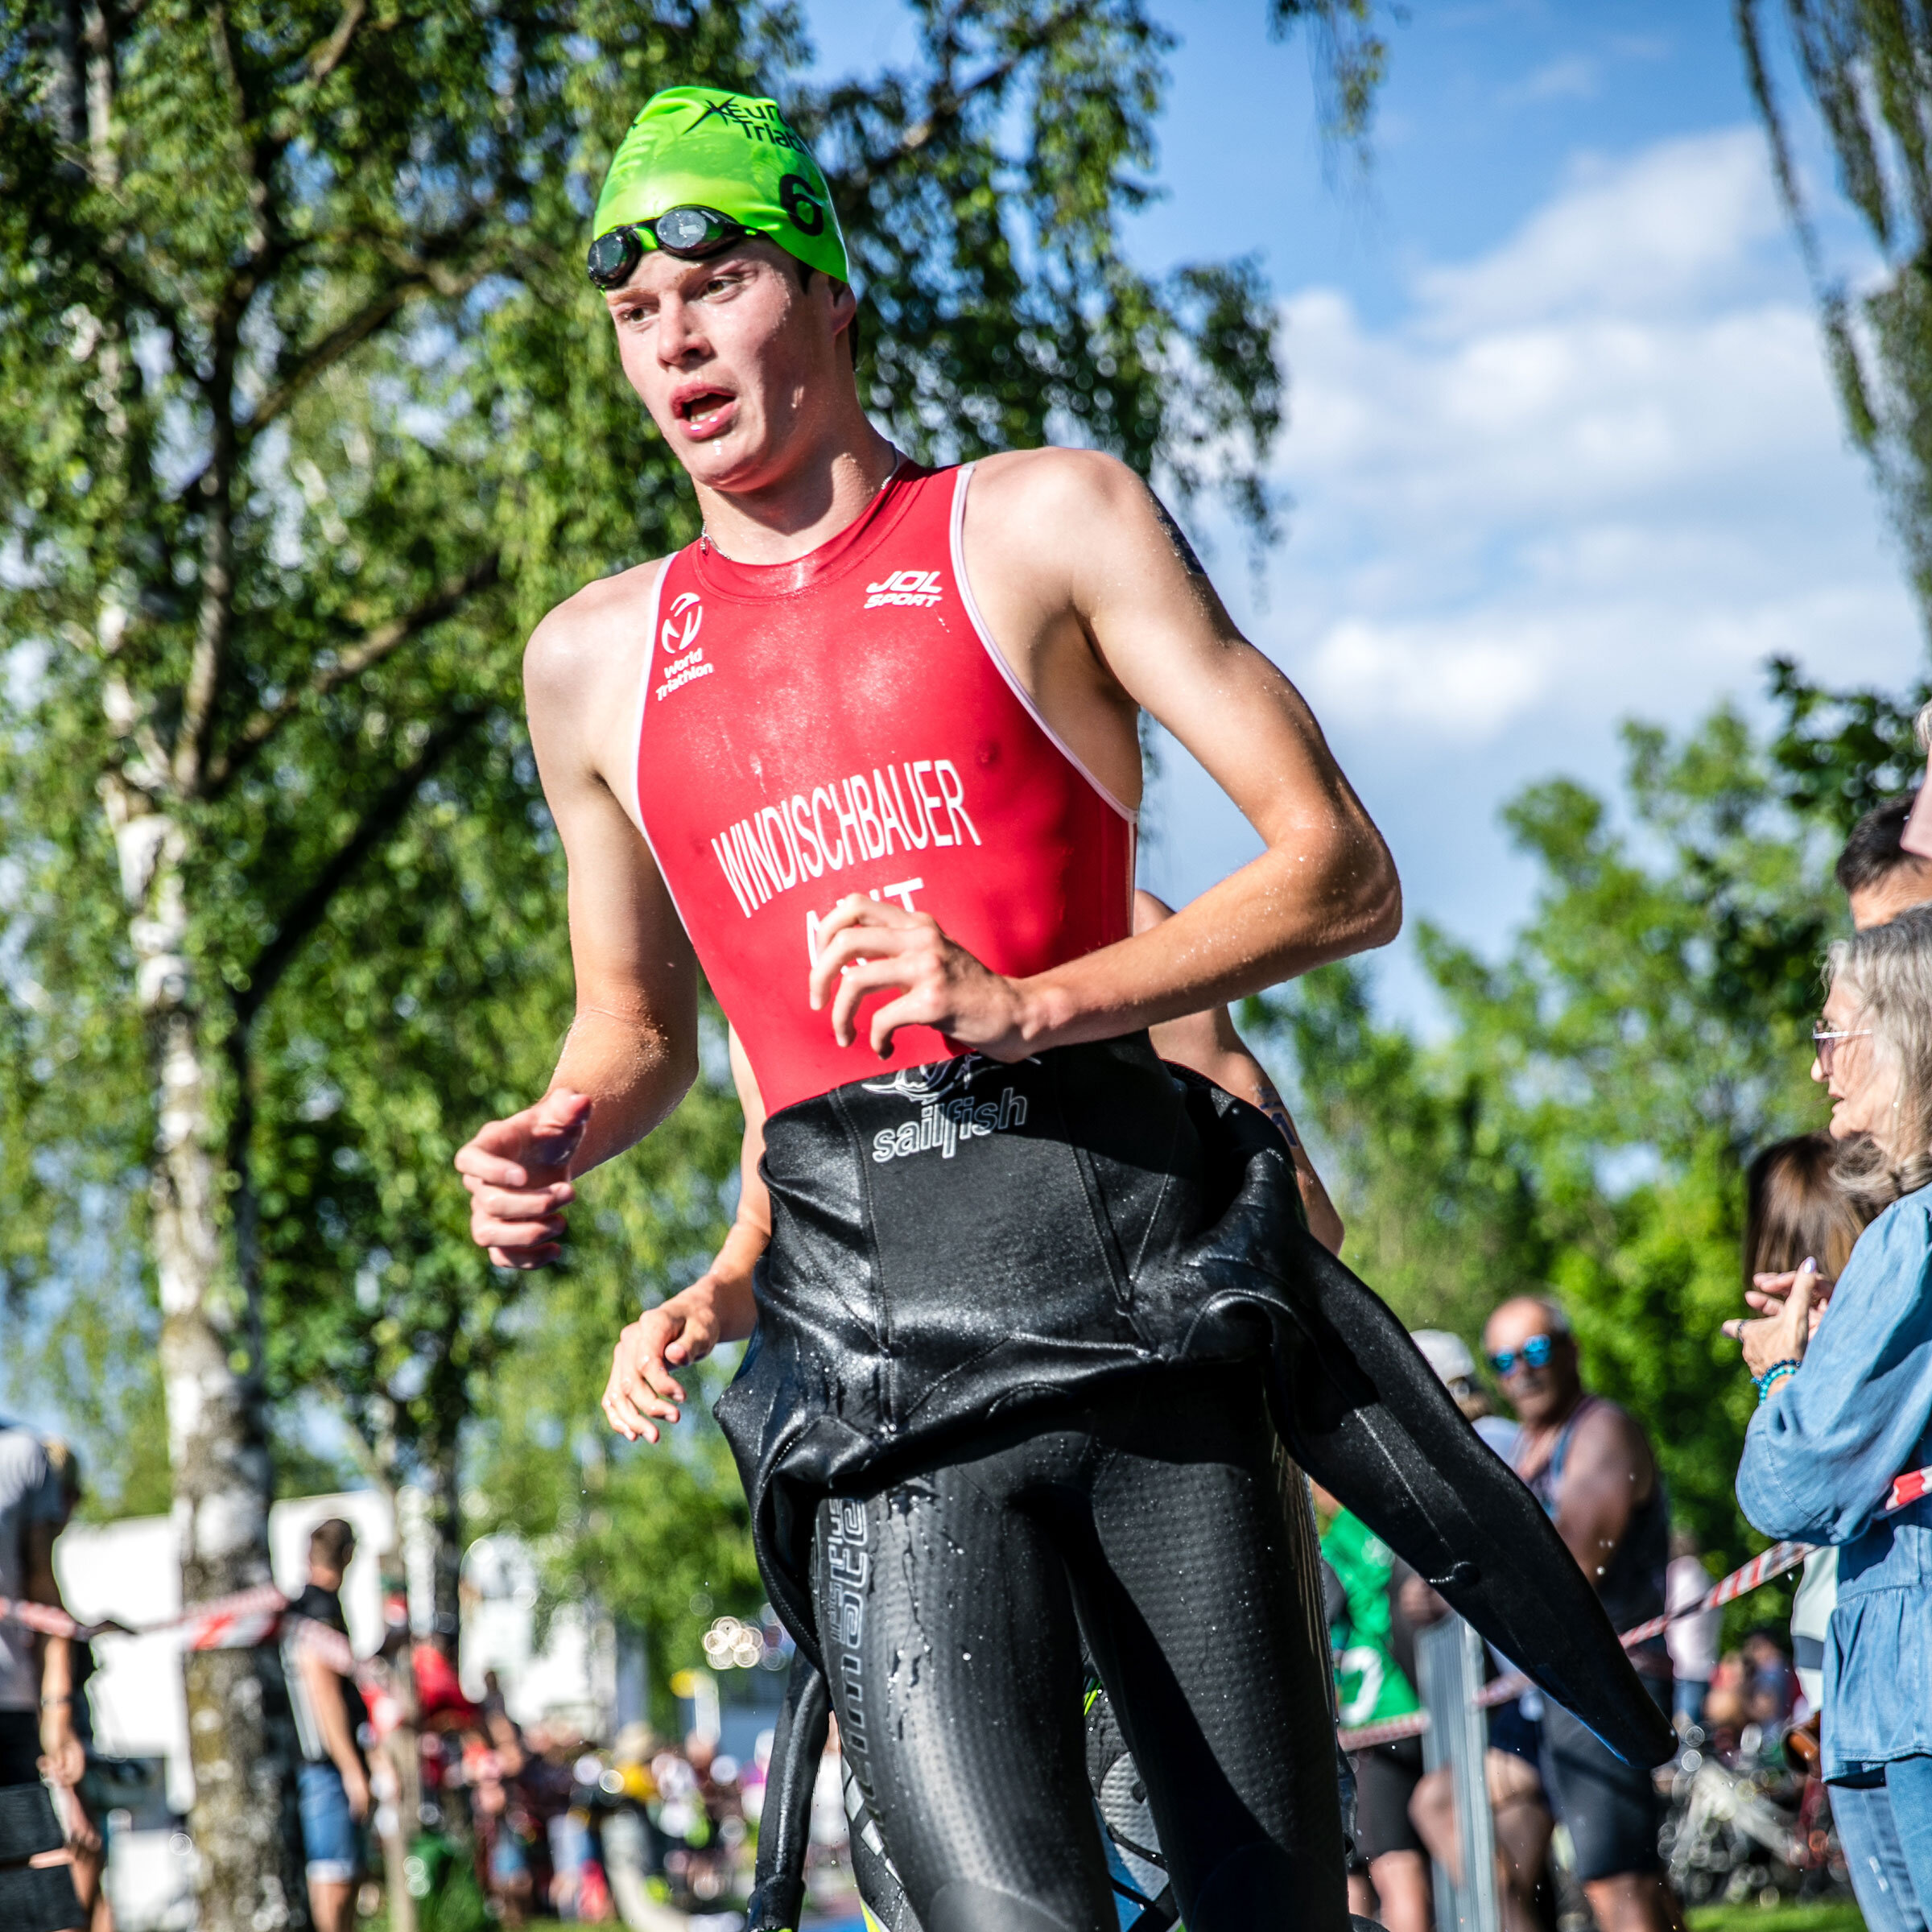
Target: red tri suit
844, 724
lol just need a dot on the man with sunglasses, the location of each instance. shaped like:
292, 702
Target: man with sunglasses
868, 752
1591, 1466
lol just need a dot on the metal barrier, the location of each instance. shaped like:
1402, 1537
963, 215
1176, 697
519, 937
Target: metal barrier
1449, 1662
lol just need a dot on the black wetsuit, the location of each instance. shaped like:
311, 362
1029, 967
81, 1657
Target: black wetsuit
1119, 1791
946, 1603
1017, 1325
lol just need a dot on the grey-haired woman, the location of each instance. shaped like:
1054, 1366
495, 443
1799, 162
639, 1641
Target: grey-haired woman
1846, 1406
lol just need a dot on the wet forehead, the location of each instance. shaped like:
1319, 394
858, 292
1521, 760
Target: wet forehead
1514, 1323
658, 275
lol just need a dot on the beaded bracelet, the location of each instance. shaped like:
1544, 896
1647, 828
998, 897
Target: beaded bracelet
1771, 1376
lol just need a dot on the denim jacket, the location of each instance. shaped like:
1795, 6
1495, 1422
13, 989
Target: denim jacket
1819, 1458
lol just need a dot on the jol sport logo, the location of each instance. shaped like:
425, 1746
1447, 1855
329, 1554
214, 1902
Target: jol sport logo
684, 658
919, 589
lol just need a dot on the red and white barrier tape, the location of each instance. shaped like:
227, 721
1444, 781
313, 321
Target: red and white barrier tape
249, 1617
237, 1622
1768, 1564
224, 1624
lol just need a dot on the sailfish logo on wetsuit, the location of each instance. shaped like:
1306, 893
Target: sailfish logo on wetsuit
936, 1080
948, 1113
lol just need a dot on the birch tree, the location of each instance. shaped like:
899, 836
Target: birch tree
265, 488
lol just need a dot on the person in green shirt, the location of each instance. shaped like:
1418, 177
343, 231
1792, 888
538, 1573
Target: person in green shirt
1375, 1680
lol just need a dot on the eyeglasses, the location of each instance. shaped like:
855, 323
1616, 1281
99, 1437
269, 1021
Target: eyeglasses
691, 234
1824, 1043
1533, 1354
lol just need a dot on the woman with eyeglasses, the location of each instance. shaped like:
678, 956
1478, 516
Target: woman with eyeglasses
1846, 1406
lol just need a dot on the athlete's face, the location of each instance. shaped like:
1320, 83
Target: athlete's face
739, 365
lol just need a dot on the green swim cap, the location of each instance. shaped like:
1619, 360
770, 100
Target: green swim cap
699, 147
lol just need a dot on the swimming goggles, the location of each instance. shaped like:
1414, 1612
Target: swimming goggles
691, 232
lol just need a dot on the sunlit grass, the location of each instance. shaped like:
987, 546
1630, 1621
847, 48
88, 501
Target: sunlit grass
1829, 1915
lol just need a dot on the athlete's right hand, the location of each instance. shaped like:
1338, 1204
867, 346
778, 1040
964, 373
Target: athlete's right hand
518, 1173
683, 1330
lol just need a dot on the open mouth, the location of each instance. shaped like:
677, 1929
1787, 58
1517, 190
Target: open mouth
706, 410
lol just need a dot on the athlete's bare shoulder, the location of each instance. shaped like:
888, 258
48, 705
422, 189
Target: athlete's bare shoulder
1092, 595
1056, 500
1078, 526
588, 628
582, 664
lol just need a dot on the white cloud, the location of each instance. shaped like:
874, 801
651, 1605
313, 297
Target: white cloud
1595, 471
1670, 230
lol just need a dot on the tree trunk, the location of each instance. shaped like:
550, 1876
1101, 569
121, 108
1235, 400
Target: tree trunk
398, 1829
445, 1513
241, 1732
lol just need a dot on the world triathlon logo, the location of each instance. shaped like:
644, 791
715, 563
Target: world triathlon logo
684, 658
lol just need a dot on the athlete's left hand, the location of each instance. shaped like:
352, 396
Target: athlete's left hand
868, 946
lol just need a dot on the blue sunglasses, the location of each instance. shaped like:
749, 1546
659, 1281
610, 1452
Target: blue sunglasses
1533, 1354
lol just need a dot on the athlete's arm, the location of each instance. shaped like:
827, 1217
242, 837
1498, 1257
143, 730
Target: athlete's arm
1607, 1474
1101, 610
60, 1741
718, 1307
1208, 1042
324, 1688
632, 1050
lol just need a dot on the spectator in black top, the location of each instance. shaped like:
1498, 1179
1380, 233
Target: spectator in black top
333, 1781
1875, 873
86, 1843
1590, 1465
36, 1693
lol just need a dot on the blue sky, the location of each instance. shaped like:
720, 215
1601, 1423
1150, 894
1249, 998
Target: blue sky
1561, 447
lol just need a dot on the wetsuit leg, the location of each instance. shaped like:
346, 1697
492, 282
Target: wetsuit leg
946, 1608
777, 1893
954, 1663
1188, 1587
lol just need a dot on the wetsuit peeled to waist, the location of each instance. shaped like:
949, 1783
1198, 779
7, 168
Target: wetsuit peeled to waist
1107, 1215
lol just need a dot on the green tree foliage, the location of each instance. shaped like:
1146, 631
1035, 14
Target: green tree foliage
1349, 48
1584, 1125
981, 189
307, 414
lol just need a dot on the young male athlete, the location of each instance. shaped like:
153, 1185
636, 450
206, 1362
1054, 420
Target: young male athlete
868, 751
